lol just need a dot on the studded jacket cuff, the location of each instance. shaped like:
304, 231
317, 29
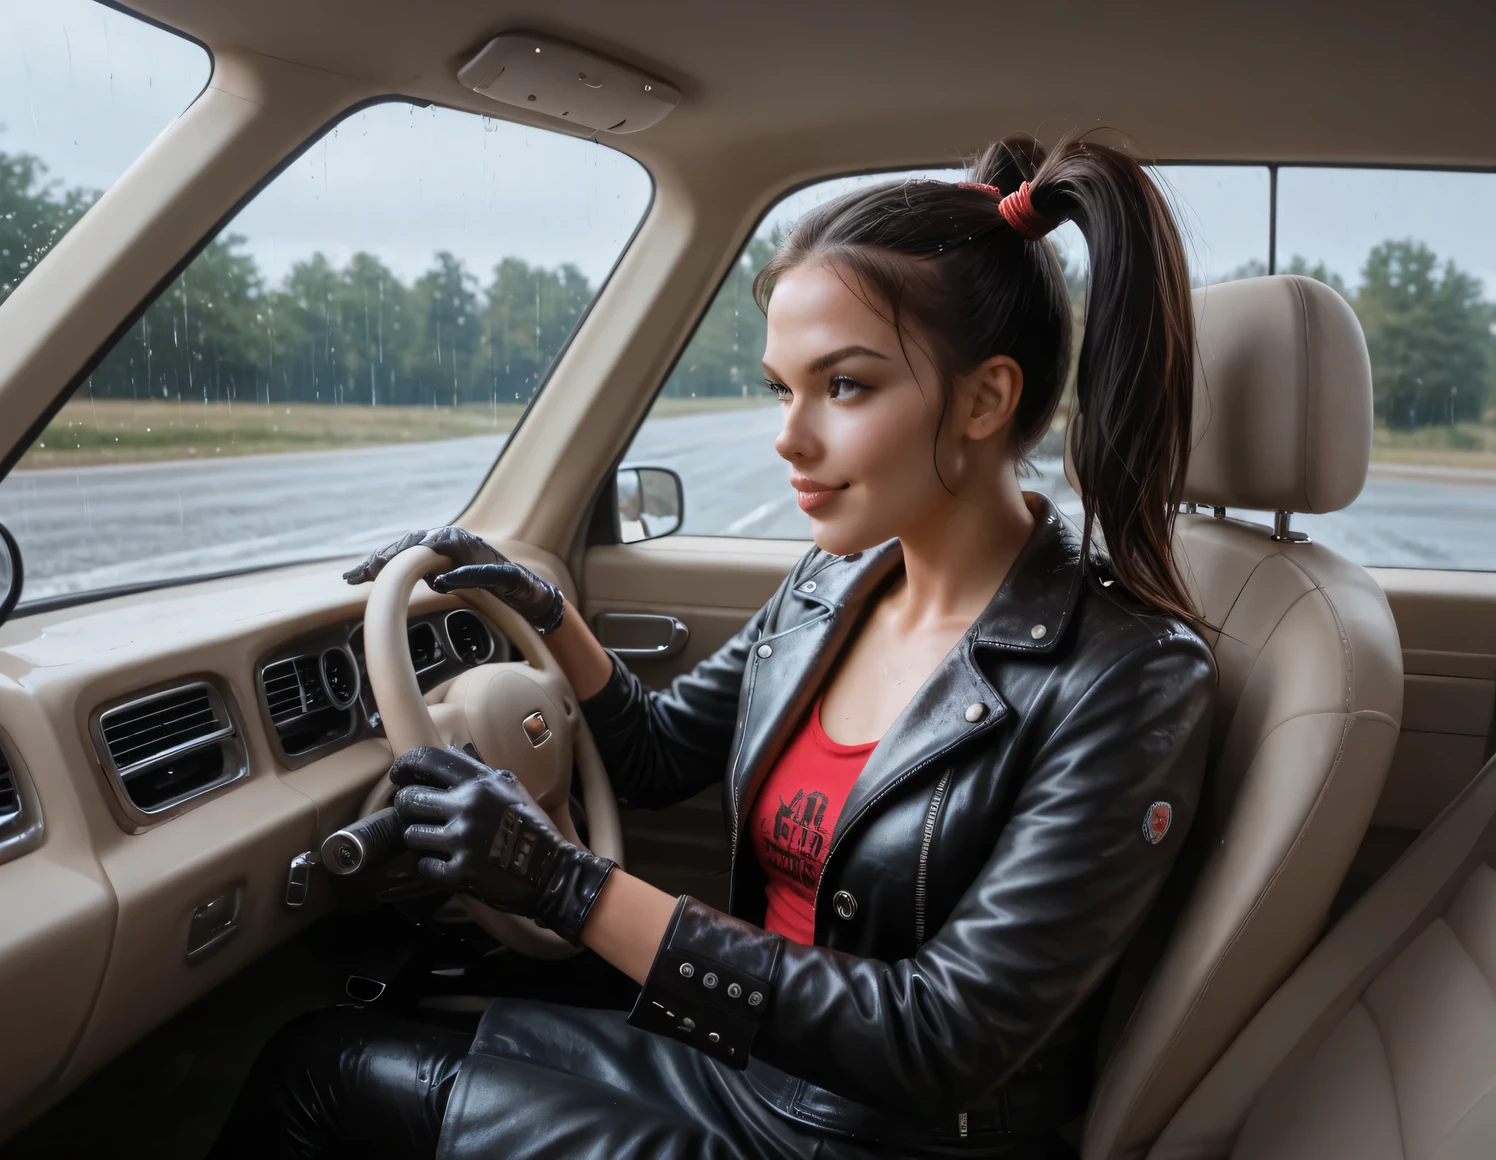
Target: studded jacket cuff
711, 983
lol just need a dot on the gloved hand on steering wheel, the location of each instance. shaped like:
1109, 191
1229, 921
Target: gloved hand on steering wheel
479, 565
481, 833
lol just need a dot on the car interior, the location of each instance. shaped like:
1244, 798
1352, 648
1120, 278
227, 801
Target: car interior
193, 748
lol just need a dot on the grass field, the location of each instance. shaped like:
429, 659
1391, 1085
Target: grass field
1462, 445
88, 431
93, 431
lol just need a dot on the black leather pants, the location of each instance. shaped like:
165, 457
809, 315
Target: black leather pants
540, 1082
345, 1083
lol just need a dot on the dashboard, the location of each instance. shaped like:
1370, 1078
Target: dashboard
315, 691
165, 756
163, 747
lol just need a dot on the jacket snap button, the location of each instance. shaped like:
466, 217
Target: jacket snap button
713, 1037
755, 998
709, 980
765, 651
808, 586
844, 903
687, 970
976, 712
734, 990
688, 1023
1038, 631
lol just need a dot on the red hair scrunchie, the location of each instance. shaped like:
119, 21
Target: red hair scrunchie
1017, 209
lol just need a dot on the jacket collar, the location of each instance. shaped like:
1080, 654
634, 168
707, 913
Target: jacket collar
1040, 590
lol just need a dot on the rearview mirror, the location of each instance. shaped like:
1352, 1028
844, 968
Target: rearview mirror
10, 573
651, 503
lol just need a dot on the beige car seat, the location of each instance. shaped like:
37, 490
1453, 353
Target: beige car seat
1310, 695
1382, 1045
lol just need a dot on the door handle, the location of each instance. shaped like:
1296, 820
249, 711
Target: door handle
641, 635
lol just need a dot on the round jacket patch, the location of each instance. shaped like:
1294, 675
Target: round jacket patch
1156, 822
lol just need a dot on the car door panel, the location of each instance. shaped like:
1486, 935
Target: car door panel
713, 585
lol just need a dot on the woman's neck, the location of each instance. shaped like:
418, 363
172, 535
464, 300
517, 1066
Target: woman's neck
955, 560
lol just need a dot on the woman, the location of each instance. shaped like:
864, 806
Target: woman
961, 752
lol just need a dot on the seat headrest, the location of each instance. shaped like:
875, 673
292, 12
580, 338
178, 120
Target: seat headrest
1282, 409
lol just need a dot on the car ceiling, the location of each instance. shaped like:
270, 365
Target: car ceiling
884, 82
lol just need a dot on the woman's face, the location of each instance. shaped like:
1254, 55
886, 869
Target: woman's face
861, 413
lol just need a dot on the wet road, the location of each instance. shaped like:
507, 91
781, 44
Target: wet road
87, 528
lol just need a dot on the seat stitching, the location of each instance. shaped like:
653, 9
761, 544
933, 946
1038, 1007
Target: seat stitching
1267, 889
1371, 1016
1479, 970
1465, 1115
1475, 1103
1348, 667
1257, 652
1465, 949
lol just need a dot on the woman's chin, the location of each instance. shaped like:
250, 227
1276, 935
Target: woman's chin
837, 539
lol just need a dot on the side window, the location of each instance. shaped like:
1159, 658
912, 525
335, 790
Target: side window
84, 88
1414, 254
714, 423
1224, 214
342, 362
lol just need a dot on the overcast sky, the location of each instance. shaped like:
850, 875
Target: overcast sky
87, 89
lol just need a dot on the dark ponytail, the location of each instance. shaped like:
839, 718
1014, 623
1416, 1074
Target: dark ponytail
1135, 380
946, 258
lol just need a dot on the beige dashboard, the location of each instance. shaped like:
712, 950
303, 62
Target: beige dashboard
97, 903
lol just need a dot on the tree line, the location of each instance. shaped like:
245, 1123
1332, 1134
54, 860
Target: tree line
1429, 332
325, 334
360, 334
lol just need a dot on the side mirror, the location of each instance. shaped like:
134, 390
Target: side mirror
651, 503
10, 573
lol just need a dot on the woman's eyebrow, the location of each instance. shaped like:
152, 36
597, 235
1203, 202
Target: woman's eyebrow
827, 361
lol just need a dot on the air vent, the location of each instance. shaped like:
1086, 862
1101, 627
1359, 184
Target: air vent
293, 688
471, 640
154, 729
296, 697
340, 676
10, 796
167, 747
425, 647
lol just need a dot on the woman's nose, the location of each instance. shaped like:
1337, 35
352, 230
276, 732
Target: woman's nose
797, 439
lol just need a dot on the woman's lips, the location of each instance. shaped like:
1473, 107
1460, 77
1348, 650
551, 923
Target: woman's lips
811, 494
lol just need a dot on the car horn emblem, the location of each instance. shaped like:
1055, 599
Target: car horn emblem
538, 731
1156, 822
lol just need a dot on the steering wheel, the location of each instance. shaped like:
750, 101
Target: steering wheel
519, 716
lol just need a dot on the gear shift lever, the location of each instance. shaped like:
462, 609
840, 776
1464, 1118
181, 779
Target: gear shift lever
364, 843
358, 846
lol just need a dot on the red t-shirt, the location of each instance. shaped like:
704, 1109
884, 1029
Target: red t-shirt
793, 818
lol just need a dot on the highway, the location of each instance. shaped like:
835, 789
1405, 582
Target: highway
93, 527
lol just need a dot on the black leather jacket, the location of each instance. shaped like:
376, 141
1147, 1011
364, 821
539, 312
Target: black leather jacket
998, 851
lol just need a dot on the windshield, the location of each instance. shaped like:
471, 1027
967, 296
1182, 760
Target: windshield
342, 363
83, 90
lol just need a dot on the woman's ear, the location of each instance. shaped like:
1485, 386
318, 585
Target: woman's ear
989, 395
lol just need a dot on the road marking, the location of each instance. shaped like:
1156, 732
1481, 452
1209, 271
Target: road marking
762, 512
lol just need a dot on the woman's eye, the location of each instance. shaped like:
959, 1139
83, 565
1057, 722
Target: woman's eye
843, 387
779, 390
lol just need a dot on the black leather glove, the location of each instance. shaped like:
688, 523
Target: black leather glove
482, 834
479, 565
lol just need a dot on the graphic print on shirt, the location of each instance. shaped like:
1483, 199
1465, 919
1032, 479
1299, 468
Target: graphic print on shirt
794, 819
797, 842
